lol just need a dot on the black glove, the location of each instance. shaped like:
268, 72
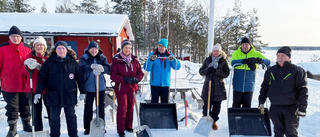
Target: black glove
259, 60
211, 70
301, 111
153, 57
252, 63
128, 80
244, 61
135, 80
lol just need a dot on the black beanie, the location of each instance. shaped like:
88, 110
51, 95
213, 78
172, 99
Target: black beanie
93, 44
245, 40
62, 43
14, 30
286, 50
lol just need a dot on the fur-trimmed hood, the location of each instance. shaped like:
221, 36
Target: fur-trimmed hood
70, 52
222, 53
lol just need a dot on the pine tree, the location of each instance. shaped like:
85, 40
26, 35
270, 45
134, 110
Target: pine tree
88, 7
3, 5
197, 21
19, 6
66, 6
44, 8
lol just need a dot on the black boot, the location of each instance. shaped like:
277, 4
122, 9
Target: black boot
26, 124
12, 128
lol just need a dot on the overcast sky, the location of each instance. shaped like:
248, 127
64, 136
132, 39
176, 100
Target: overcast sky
283, 22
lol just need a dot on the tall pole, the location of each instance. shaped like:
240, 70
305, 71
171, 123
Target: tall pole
211, 27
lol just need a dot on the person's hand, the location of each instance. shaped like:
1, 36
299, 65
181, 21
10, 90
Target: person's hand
128, 80
170, 58
251, 62
259, 60
97, 69
31, 63
36, 98
153, 57
211, 70
82, 96
301, 111
135, 80
261, 108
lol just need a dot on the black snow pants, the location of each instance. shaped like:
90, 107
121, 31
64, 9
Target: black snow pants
215, 107
162, 92
54, 120
37, 112
17, 103
284, 120
88, 108
242, 98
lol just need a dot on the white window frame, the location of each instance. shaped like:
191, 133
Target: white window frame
29, 39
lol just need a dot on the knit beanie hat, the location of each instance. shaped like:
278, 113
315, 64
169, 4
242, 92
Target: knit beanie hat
61, 43
125, 42
164, 42
41, 40
14, 30
93, 44
286, 50
217, 47
245, 40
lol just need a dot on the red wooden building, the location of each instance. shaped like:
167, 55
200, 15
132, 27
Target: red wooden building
76, 29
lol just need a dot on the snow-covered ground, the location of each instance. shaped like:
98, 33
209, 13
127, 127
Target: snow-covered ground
309, 126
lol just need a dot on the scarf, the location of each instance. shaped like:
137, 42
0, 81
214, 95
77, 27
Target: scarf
214, 62
126, 59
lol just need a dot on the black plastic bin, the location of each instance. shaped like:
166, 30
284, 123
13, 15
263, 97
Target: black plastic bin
159, 115
248, 121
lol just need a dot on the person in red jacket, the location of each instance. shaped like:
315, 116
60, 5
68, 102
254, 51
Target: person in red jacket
34, 61
12, 55
126, 73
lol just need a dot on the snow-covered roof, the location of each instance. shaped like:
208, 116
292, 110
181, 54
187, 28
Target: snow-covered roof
66, 24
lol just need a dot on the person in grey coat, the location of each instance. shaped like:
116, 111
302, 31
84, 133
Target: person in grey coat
214, 68
93, 62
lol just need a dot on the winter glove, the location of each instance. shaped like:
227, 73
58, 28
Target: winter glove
252, 63
261, 108
301, 111
259, 60
97, 69
36, 98
128, 80
244, 61
135, 80
211, 70
153, 57
31, 63
82, 96
170, 58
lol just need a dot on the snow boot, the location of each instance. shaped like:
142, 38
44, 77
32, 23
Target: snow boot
26, 124
12, 128
214, 126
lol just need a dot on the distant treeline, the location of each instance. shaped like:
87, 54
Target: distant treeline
294, 48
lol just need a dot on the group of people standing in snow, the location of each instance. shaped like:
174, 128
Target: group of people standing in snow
285, 84
57, 76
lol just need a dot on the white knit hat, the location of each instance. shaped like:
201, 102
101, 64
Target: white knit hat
41, 40
217, 47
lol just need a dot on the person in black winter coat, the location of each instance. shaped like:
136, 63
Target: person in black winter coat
93, 63
285, 84
60, 75
215, 68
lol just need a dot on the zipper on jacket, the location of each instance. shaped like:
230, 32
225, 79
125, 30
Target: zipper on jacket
287, 76
271, 76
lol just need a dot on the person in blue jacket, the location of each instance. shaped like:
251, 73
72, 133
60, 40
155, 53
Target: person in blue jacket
160, 62
245, 61
93, 63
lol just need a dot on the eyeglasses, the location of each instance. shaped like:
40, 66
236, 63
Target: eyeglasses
61, 49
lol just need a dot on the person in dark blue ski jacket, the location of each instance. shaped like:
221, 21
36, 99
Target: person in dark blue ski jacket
93, 62
160, 62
